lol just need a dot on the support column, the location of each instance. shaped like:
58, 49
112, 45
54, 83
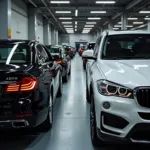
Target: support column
124, 21
46, 31
52, 35
110, 26
56, 36
32, 24
148, 25
5, 19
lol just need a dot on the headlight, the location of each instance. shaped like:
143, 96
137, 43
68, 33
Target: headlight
111, 89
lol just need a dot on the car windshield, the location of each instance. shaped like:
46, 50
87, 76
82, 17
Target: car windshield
133, 46
54, 50
14, 54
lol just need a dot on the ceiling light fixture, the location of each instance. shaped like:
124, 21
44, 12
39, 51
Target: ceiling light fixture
59, 2
75, 29
76, 13
105, 2
76, 22
144, 12
132, 18
90, 22
63, 18
129, 26
137, 22
147, 18
89, 25
98, 12
94, 18
66, 22
62, 12
67, 25
119, 22
115, 28
87, 28
69, 28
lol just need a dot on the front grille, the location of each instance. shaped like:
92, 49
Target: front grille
143, 97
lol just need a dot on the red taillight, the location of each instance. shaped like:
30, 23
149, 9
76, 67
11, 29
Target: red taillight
59, 61
26, 84
23, 115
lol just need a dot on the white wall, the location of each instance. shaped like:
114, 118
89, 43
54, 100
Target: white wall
39, 31
19, 20
72, 38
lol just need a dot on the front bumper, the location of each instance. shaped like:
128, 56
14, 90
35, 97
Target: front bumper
125, 122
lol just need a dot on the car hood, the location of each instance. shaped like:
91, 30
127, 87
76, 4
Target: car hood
130, 73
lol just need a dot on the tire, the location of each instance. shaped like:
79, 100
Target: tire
94, 138
87, 92
65, 79
69, 71
47, 124
59, 93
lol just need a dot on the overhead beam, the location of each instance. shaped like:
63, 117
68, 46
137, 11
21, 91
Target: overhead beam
132, 4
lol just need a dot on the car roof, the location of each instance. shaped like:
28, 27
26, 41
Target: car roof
111, 32
55, 47
14, 41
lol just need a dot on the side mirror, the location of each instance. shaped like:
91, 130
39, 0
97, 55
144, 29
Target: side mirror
88, 54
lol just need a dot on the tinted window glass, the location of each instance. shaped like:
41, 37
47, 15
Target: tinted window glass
91, 45
127, 46
54, 50
14, 54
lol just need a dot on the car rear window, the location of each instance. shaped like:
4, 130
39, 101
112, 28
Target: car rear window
130, 46
54, 50
15, 54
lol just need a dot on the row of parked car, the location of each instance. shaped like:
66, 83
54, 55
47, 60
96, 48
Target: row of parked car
118, 87
31, 77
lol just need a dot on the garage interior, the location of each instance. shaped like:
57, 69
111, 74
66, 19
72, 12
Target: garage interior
71, 23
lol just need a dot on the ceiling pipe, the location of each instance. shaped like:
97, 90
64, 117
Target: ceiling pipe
52, 14
33, 3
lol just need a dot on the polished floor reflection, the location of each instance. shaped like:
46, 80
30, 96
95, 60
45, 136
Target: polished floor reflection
71, 122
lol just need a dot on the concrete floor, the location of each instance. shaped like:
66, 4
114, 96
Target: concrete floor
71, 129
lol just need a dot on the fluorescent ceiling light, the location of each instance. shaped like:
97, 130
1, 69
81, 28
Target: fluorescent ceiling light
87, 28
63, 18
98, 12
62, 12
87, 31
90, 22
94, 18
129, 26
69, 28
59, 2
137, 22
105, 2
75, 26
89, 25
76, 22
66, 22
144, 12
76, 13
119, 22
115, 28
147, 18
132, 18
75, 29
67, 25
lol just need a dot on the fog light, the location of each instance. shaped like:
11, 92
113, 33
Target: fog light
106, 105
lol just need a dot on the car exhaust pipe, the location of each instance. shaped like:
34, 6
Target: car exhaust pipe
20, 124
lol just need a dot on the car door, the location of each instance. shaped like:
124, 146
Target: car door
44, 78
56, 73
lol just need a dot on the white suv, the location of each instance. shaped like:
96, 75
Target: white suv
119, 87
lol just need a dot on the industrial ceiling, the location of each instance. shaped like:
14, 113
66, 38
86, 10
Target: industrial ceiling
81, 16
